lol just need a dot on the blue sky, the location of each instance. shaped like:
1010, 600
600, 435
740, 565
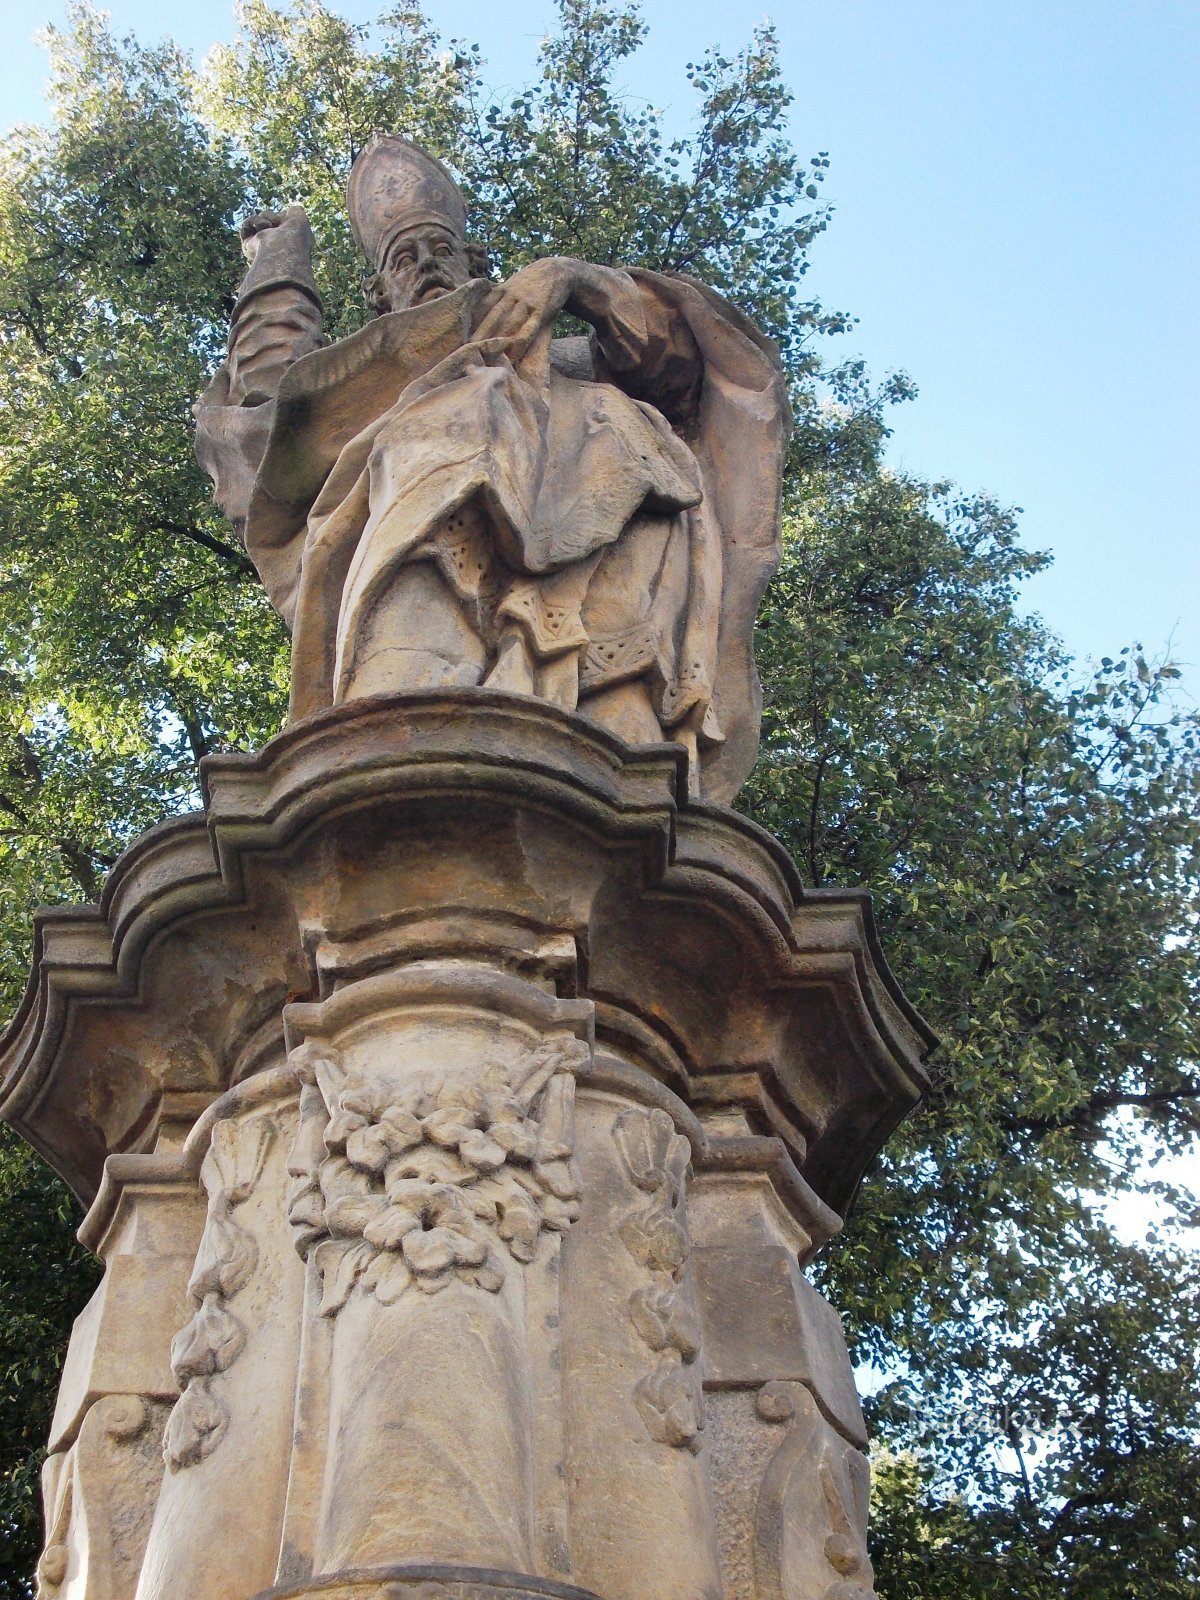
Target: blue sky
1017, 192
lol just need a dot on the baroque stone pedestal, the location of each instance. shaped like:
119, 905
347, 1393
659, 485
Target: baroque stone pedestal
458, 1105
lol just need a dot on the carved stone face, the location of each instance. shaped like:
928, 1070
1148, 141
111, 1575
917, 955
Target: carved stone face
421, 263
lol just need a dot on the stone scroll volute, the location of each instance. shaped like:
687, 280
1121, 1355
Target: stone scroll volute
810, 1520
99, 1501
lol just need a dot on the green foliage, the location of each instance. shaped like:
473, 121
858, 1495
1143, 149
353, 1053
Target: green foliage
566, 166
129, 624
45, 1280
569, 167
1034, 851
300, 92
1079, 1477
1031, 840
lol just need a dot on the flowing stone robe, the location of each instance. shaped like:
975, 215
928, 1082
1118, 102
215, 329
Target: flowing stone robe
605, 535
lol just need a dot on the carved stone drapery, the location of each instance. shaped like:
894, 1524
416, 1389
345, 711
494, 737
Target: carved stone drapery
450, 495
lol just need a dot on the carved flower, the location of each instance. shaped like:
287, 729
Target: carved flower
449, 1125
360, 1105
480, 1151
435, 1230
520, 1221
672, 1406
489, 1276
515, 1134
468, 1097
430, 1251
211, 1342
388, 1227
367, 1148
428, 1202
342, 1127
653, 1237
371, 1148
226, 1258
195, 1426
415, 1180
405, 1124
347, 1215
655, 1154
664, 1319
485, 1197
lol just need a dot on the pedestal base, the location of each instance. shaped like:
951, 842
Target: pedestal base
459, 1104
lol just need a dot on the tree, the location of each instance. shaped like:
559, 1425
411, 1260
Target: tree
1033, 849
1031, 839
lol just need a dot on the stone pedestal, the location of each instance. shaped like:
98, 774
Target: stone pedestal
458, 1105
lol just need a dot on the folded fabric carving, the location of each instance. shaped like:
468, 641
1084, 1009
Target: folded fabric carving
453, 496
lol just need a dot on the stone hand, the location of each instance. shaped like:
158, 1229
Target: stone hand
533, 297
280, 231
277, 317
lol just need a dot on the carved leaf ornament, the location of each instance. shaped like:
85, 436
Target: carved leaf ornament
434, 1181
670, 1399
213, 1339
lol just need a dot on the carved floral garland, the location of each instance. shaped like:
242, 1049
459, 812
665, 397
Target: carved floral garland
423, 1184
212, 1341
670, 1399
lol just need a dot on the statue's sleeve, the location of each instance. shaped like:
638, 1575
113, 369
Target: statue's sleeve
276, 320
720, 384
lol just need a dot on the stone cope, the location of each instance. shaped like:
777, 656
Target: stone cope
461, 1095
452, 496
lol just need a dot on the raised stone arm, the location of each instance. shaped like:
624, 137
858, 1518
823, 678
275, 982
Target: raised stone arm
276, 320
277, 316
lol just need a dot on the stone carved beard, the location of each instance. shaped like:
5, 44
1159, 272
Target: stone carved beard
420, 264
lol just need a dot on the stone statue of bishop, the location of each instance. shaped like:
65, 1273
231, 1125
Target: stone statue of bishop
453, 496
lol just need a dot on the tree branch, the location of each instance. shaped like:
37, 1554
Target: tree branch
235, 558
1098, 1105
